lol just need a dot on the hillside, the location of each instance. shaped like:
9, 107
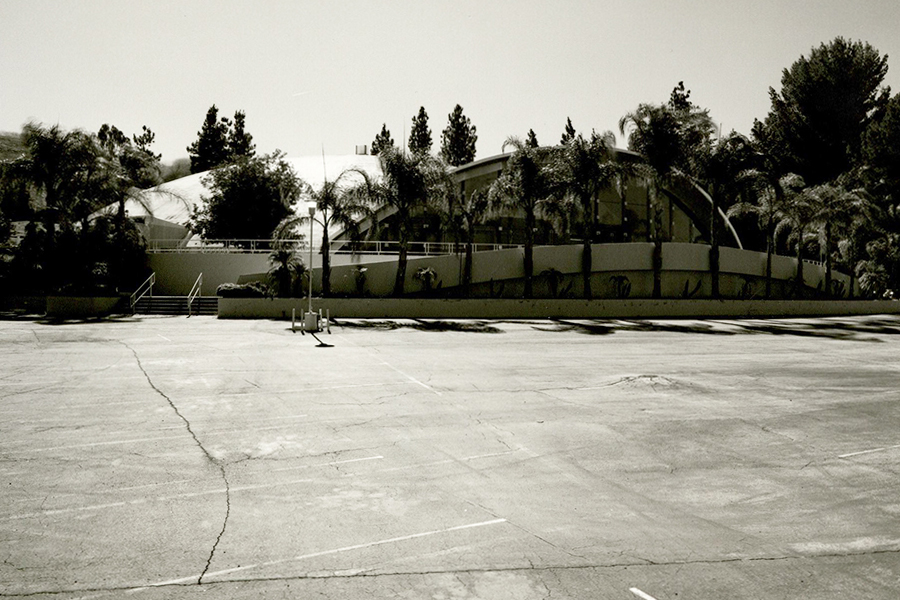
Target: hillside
10, 146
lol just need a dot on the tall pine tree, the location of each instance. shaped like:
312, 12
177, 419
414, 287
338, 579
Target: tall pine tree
210, 149
240, 142
569, 133
383, 140
420, 134
458, 139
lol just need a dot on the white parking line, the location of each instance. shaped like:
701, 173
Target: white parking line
393, 540
641, 594
90, 507
183, 495
337, 462
868, 451
392, 367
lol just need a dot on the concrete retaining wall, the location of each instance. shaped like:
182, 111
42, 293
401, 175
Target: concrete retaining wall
406, 308
78, 307
684, 266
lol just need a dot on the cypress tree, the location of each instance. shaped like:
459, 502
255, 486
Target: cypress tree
458, 139
383, 140
210, 149
420, 134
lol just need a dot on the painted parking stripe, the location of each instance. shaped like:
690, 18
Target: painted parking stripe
641, 594
180, 496
393, 540
390, 366
868, 451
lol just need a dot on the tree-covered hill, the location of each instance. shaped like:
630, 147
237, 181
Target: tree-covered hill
11, 146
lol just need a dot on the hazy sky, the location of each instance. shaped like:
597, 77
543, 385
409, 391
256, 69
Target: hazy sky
328, 74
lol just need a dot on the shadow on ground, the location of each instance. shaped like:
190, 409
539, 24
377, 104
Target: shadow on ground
857, 329
422, 325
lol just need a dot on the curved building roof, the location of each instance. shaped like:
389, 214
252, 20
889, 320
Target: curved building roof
173, 201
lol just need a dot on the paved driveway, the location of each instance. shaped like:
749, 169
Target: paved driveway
181, 458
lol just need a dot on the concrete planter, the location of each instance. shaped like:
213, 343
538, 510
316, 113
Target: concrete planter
80, 307
409, 308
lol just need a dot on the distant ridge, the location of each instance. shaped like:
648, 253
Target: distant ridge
11, 146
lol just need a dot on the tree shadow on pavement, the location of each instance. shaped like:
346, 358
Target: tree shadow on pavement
422, 325
863, 329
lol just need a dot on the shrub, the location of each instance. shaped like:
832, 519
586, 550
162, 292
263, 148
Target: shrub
254, 289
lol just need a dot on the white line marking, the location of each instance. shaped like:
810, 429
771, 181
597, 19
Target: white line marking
641, 594
337, 462
164, 337
392, 367
146, 485
393, 540
445, 461
60, 511
92, 444
116, 442
868, 451
183, 495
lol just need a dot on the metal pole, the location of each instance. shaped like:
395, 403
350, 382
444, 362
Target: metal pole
312, 213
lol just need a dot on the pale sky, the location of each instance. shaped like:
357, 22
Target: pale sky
326, 75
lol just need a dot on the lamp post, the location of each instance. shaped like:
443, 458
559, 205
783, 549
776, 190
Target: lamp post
312, 213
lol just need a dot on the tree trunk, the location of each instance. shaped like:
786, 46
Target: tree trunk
326, 259
586, 254
529, 253
714, 244
770, 249
799, 281
828, 259
467, 264
400, 281
655, 223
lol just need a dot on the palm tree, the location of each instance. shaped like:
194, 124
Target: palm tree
654, 133
671, 139
767, 208
880, 271
524, 185
796, 217
285, 263
835, 206
409, 184
336, 205
719, 165
582, 168
472, 210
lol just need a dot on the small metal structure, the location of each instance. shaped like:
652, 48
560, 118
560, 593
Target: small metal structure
311, 322
195, 292
144, 289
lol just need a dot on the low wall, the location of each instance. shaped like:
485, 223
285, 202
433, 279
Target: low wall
407, 308
685, 270
80, 307
176, 272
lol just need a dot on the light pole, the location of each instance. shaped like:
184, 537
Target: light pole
312, 213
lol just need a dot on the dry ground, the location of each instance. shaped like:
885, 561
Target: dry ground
180, 458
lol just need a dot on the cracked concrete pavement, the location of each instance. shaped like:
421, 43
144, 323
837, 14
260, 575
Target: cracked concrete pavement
164, 457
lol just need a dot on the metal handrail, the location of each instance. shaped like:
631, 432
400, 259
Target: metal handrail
195, 292
138, 294
377, 247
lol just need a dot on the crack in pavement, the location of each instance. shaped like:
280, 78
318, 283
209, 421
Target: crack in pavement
212, 460
359, 573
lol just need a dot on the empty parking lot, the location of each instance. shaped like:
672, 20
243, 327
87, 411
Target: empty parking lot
164, 457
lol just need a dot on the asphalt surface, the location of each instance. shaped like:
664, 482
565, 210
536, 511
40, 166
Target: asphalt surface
166, 457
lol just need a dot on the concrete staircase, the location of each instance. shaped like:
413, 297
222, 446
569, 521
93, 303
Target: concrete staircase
177, 305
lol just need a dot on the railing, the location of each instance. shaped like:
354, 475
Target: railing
247, 246
195, 291
337, 247
141, 292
